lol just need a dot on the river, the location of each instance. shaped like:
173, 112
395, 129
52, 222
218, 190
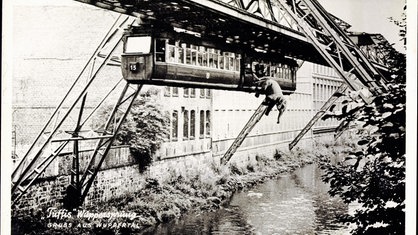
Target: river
295, 203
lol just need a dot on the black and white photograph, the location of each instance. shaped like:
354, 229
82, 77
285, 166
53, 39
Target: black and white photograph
208, 117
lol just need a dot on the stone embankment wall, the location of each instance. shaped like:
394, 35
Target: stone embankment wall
120, 175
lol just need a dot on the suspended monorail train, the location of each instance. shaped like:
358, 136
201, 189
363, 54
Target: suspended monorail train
182, 59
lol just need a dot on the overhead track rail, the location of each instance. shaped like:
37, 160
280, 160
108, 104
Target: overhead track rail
261, 24
245, 24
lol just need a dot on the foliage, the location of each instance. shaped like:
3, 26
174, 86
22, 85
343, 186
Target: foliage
401, 24
144, 129
373, 175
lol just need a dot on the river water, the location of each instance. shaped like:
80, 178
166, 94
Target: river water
296, 203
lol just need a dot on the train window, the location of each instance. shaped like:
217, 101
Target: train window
259, 70
160, 50
171, 53
275, 70
237, 64
266, 71
138, 45
192, 124
227, 60
200, 59
205, 59
285, 73
272, 70
293, 73
215, 60
194, 56
221, 62
181, 55
231, 63
189, 56
174, 126
210, 62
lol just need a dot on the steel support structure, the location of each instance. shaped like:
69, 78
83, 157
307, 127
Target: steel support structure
112, 126
341, 89
42, 152
254, 119
338, 50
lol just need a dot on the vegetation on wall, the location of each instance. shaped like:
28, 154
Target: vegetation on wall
144, 129
373, 175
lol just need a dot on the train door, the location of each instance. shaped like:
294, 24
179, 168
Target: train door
137, 58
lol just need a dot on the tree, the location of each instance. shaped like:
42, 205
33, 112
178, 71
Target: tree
144, 129
401, 24
374, 174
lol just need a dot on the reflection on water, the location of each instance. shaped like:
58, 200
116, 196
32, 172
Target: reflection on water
297, 203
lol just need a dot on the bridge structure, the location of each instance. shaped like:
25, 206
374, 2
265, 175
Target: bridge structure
299, 29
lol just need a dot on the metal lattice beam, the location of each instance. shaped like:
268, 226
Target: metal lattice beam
38, 157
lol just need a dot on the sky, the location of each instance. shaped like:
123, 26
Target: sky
369, 16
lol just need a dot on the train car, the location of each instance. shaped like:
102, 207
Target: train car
182, 59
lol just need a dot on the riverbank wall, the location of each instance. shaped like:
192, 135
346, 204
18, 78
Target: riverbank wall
120, 175
167, 189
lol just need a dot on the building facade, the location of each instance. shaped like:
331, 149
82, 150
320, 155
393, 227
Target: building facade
204, 121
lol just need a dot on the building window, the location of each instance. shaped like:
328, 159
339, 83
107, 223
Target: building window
175, 91
202, 93
207, 123
174, 126
192, 124
202, 124
192, 92
186, 92
208, 93
185, 124
167, 91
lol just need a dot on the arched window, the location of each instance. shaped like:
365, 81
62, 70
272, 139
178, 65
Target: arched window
208, 123
174, 126
175, 91
186, 125
202, 124
192, 124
